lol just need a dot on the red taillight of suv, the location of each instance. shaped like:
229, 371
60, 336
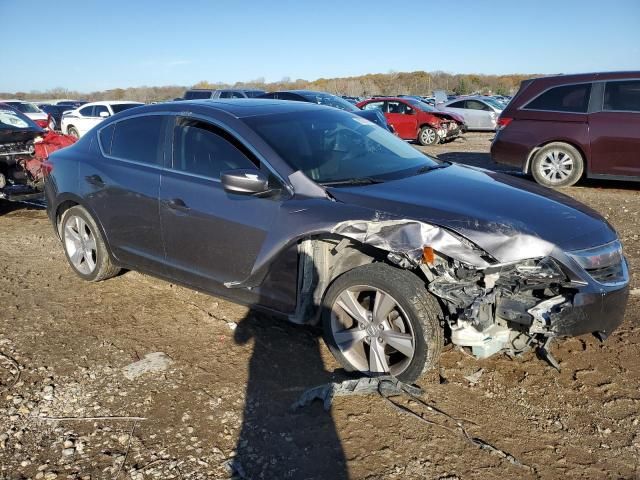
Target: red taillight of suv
503, 122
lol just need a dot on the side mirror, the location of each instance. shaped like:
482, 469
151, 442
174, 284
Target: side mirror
244, 181
103, 114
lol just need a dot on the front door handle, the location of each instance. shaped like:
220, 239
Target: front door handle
177, 204
95, 180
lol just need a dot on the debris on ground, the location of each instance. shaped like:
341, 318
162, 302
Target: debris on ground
152, 362
474, 377
359, 386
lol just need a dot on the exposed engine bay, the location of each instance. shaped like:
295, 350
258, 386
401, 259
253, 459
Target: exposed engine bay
24, 147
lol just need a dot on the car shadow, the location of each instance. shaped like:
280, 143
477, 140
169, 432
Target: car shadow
477, 159
276, 441
8, 207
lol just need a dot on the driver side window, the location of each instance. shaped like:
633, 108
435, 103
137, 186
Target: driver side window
203, 149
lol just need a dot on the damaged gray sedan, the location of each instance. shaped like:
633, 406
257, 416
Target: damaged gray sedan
322, 217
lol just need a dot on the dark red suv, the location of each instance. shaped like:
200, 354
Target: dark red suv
563, 127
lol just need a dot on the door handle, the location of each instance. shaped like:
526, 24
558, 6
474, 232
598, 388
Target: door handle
177, 204
95, 180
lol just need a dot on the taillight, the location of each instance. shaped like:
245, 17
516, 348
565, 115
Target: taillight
42, 123
503, 122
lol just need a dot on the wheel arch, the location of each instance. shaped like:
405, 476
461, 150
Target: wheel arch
70, 200
534, 150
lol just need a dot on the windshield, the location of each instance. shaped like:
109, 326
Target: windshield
25, 107
421, 105
10, 120
119, 107
332, 146
494, 103
330, 101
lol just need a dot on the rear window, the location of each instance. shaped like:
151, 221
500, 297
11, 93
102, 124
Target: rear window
197, 95
566, 98
622, 96
137, 139
119, 107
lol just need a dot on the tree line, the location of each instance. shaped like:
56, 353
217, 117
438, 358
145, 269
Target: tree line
391, 83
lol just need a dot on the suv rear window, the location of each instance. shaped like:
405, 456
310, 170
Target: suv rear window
197, 95
622, 96
566, 98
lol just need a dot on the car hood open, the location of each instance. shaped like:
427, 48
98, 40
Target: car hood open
506, 216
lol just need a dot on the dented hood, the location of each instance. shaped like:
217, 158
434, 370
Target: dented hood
508, 217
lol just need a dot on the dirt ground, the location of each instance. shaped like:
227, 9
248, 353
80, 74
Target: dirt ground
218, 403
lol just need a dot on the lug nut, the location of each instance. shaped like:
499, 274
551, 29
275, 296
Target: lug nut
380, 340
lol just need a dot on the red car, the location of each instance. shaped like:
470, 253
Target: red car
561, 128
415, 120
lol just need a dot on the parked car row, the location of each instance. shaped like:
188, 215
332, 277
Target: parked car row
317, 215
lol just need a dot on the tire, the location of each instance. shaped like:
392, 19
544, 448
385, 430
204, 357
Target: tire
428, 136
73, 132
416, 313
84, 246
557, 165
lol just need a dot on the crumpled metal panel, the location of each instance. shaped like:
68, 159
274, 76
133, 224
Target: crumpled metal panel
409, 237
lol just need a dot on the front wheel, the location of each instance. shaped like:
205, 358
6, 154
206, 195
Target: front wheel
557, 165
428, 136
84, 246
381, 320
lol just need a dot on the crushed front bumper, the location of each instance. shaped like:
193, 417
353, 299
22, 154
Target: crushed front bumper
594, 312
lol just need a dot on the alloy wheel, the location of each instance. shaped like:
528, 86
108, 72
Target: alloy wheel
80, 244
372, 331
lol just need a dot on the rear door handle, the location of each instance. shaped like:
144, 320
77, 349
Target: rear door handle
177, 204
95, 180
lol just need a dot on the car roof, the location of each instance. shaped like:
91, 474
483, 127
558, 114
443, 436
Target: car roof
110, 102
593, 76
237, 107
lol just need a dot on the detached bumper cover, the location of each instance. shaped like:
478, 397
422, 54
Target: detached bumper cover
591, 312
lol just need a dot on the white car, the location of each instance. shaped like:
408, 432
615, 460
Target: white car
42, 119
79, 121
480, 113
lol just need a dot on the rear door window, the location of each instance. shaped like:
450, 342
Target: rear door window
202, 149
565, 98
476, 105
138, 139
622, 96
86, 111
456, 105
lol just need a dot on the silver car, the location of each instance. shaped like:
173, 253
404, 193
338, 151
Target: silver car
480, 113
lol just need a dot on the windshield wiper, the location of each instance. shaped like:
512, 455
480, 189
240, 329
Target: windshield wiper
429, 168
352, 181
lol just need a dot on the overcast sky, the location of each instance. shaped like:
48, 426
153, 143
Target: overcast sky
96, 45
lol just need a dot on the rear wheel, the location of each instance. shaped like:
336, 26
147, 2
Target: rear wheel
381, 320
557, 165
428, 136
73, 132
84, 246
